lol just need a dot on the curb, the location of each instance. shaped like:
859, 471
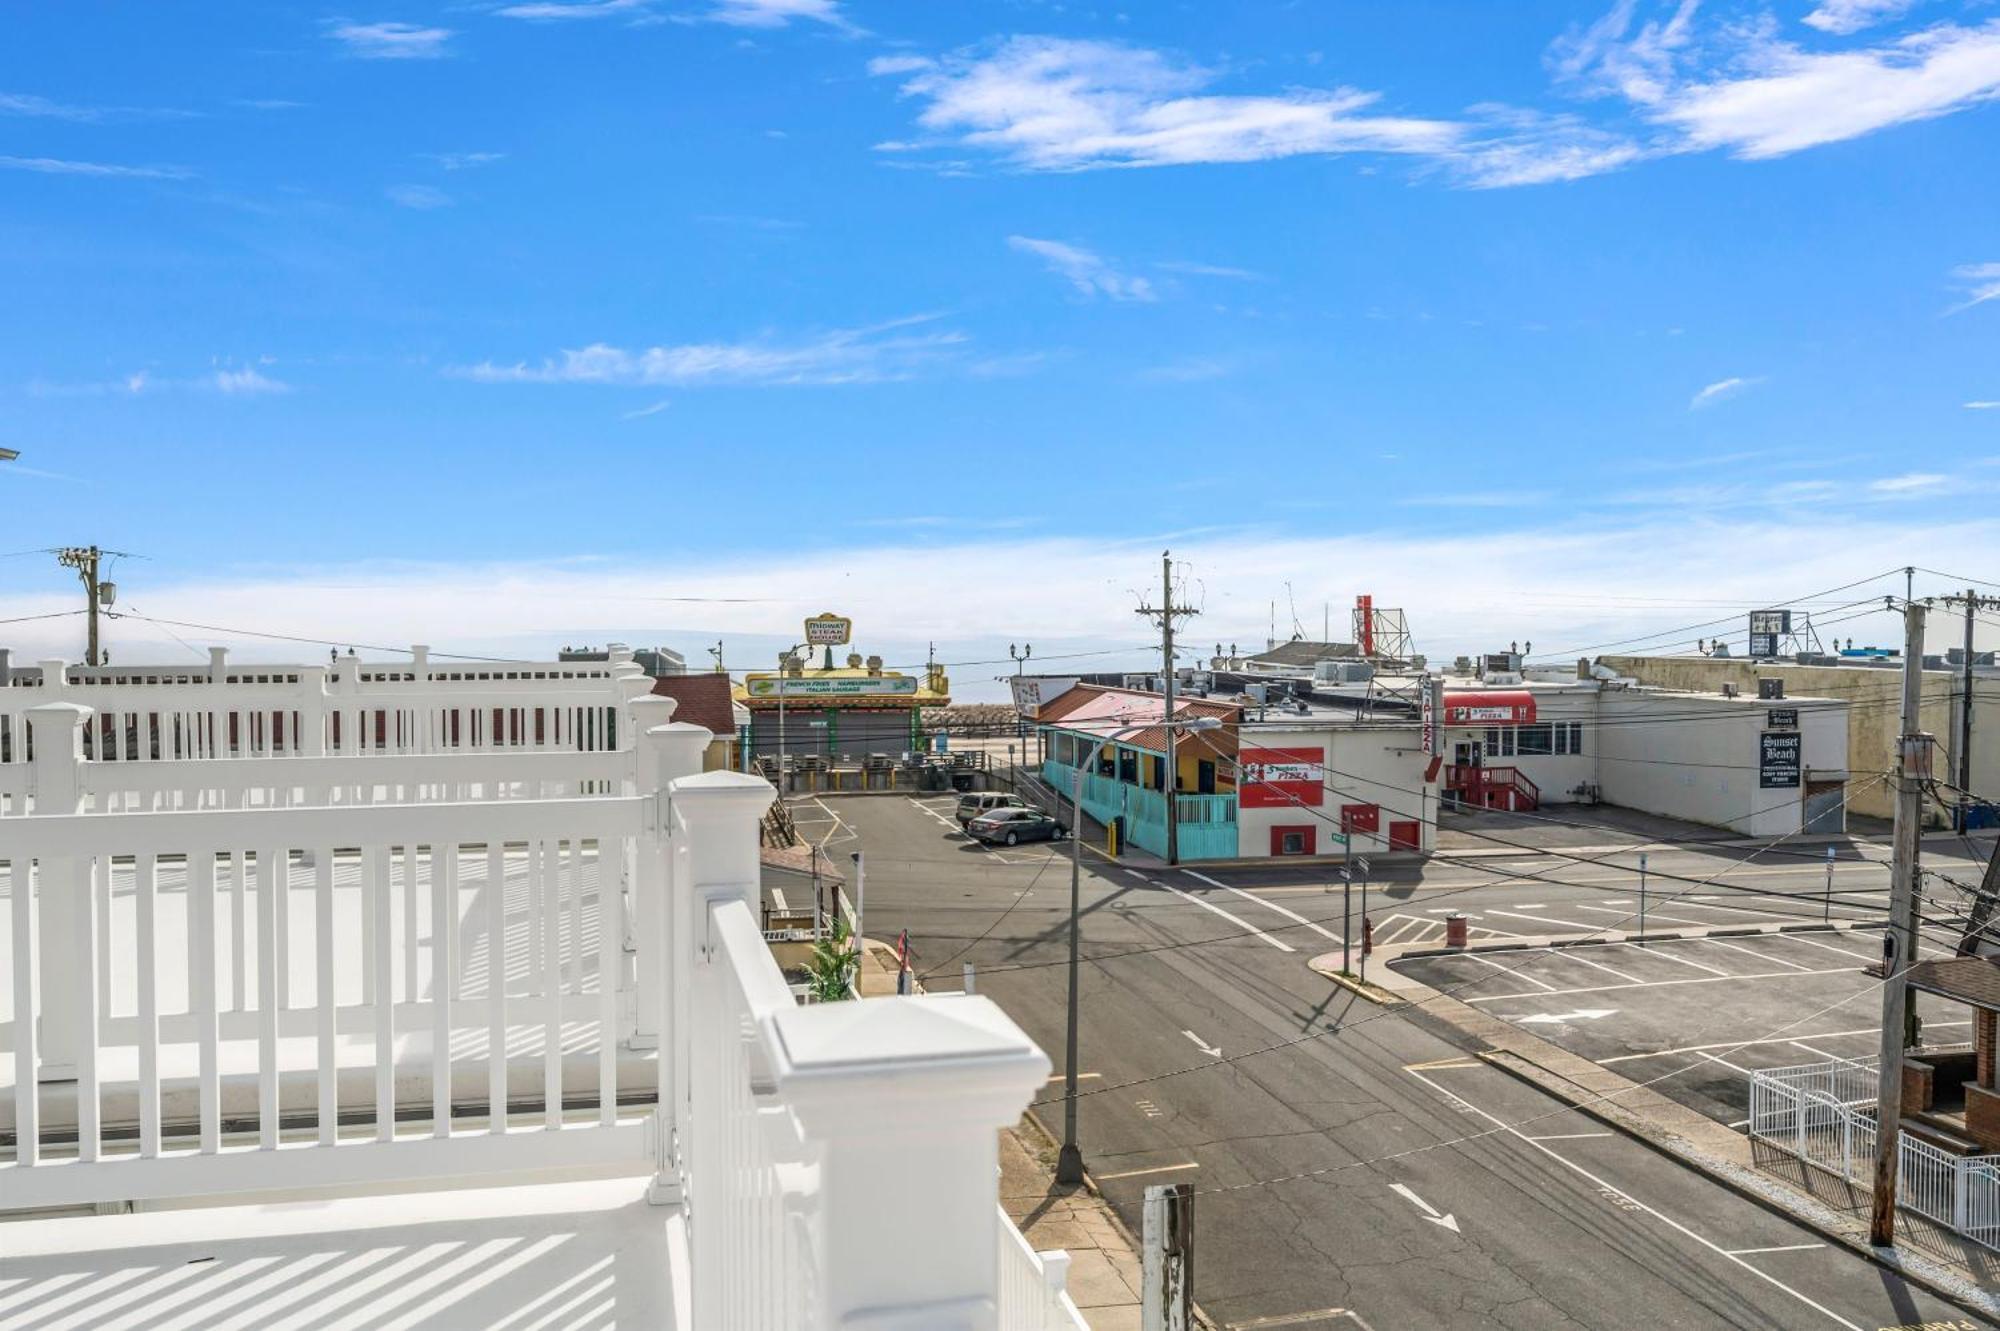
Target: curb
1373, 993
1558, 942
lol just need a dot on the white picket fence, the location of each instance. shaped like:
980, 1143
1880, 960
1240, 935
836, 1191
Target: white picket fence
1824, 1114
546, 962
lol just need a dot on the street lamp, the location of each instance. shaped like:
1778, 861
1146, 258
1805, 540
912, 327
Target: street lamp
1020, 723
789, 654
1069, 1163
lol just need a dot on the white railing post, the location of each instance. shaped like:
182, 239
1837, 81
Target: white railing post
902, 1101
63, 886
710, 856
660, 756
311, 739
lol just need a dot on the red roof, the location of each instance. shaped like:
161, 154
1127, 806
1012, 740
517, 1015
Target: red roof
704, 700
1098, 709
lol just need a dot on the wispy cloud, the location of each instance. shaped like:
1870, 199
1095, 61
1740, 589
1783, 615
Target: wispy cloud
1982, 406
421, 197
231, 381
1188, 370
778, 13
876, 354
1209, 270
30, 104
557, 10
1981, 283
1479, 499
735, 13
1910, 485
1721, 391
246, 381
464, 161
57, 166
1841, 17
392, 41
1090, 274
641, 413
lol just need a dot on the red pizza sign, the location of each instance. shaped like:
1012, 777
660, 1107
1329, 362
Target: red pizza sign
1282, 778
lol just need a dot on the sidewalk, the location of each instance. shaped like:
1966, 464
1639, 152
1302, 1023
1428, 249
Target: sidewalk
1103, 1261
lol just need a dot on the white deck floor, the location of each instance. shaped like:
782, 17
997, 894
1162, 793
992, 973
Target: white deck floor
569, 1255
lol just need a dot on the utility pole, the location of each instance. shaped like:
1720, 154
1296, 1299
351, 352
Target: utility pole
1020, 656
1165, 612
84, 559
1899, 941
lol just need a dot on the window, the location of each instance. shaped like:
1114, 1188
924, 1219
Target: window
1536, 740
1576, 737
1500, 742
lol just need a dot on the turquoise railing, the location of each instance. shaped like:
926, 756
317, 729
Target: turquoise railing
1207, 828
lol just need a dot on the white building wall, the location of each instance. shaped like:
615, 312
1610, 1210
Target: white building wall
1556, 775
1374, 764
1696, 756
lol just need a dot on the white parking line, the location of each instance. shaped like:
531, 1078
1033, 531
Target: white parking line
1717, 1058
1845, 952
1752, 952
1547, 919
1667, 953
1268, 905
1651, 915
1786, 1247
1569, 1136
1513, 971
1742, 1044
1238, 920
1573, 955
1657, 984
1657, 1215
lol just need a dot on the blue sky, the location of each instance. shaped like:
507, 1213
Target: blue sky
1535, 318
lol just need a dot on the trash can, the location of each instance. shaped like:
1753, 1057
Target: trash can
1454, 930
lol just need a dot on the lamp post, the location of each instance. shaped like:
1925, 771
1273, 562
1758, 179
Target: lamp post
1069, 1162
788, 655
1021, 659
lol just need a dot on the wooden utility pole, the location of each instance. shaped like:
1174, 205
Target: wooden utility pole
1899, 941
84, 559
1165, 612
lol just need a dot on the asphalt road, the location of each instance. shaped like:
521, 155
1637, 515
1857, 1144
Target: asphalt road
1358, 1161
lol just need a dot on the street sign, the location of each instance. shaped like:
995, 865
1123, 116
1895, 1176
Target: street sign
1782, 718
1778, 759
1361, 865
829, 630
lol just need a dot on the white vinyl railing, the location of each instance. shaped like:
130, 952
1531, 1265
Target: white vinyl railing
212, 1001
167, 713
1824, 1114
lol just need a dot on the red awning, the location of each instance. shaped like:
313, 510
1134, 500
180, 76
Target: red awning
1499, 707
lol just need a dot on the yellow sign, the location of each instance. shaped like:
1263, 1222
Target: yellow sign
829, 630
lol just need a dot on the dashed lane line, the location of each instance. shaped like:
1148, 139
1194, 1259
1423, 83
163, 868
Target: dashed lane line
1267, 905
1661, 1216
1651, 915
1237, 920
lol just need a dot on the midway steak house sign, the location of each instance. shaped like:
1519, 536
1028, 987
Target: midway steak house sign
1282, 778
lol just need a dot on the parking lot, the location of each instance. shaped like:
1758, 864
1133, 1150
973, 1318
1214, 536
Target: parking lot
1690, 1017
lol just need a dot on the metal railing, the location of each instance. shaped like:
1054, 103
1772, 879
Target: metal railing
1824, 1114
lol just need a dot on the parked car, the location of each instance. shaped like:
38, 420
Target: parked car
1007, 827
982, 802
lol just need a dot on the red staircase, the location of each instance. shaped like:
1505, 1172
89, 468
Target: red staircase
1507, 789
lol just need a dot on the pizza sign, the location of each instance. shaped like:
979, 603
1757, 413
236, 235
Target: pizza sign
1281, 778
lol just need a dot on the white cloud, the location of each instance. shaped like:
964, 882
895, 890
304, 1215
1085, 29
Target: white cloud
56, 166
1982, 406
421, 197
578, 9
1209, 270
1910, 485
1841, 17
777, 13
1463, 592
29, 104
392, 41
464, 161
246, 381
1981, 282
1721, 390
844, 356
640, 413
1779, 99
1087, 272
1049, 103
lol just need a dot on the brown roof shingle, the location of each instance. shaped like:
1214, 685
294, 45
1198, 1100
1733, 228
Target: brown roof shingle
1974, 980
704, 700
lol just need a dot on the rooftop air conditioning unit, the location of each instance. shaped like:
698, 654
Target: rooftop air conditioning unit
1769, 688
1729, 690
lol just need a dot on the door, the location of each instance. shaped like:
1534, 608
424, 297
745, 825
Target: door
1204, 777
1826, 807
1406, 835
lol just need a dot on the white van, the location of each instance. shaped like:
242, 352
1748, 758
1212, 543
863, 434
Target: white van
986, 801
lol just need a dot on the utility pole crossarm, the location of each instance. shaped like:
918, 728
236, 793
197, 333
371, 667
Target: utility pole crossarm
1166, 612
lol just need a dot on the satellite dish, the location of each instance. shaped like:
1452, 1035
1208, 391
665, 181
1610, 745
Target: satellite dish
107, 592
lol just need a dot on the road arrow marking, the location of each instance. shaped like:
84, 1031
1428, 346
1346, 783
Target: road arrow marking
1450, 1222
1211, 1051
1555, 1018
